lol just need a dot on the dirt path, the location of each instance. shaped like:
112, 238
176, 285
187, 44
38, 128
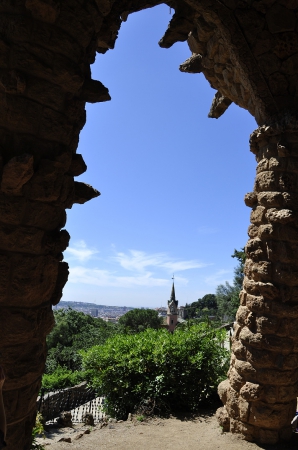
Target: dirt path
200, 432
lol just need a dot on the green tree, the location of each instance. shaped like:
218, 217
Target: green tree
227, 296
206, 306
138, 320
72, 332
181, 369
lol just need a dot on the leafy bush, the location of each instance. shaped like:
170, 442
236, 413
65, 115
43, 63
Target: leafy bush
62, 378
182, 369
38, 430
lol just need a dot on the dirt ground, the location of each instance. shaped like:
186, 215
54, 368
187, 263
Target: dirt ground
176, 433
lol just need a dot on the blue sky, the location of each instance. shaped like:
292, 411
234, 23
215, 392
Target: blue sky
172, 181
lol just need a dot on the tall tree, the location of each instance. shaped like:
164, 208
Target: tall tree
227, 295
138, 320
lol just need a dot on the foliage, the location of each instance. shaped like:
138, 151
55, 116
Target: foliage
182, 369
72, 332
227, 295
38, 430
138, 320
205, 306
62, 378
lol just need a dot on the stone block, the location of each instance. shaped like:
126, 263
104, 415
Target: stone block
192, 65
257, 215
222, 390
19, 432
244, 368
251, 392
33, 279
238, 349
43, 215
250, 199
243, 409
21, 239
272, 417
94, 91
16, 173
287, 394
268, 436
63, 272
259, 290
25, 371
245, 430
84, 192
266, 181
54, 68
236, 380
23, 325
223, 419
45, 10
45, 92
232, 403
271, 199
46, 183
77, 166
11, 209
19, 402
4, 278
267, 325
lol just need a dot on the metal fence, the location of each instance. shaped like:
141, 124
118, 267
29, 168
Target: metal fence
78, 399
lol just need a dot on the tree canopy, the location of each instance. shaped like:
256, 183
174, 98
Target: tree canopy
138, 320
227, 296
72, 332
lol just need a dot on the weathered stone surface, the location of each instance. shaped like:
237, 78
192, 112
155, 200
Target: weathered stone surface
220, 104
192, 64
94, 91
46, 10
84, 192
16, 173
223, 419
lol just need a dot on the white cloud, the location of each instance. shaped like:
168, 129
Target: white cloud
80, 251
219, 277
140, 268
105, 278
138, 261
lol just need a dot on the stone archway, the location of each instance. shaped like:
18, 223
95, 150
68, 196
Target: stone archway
248, 51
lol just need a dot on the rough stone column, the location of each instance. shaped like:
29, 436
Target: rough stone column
46, 48
260, 395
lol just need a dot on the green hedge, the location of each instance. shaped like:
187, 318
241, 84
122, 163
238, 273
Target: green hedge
62, 378
182, 369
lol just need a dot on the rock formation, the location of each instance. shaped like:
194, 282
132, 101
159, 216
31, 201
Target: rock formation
248, 51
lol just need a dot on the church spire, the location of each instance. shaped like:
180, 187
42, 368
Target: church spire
173, 295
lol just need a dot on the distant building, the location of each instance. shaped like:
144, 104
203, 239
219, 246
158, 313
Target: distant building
94, 312
182, 312
162, 312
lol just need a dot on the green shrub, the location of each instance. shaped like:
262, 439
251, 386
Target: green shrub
38, 430
181, 369
62, 378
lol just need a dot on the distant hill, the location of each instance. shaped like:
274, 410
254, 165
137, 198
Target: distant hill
85, 305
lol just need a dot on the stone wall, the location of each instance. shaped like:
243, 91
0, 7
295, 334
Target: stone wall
248, 51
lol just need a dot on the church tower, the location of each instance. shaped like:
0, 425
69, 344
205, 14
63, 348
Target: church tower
172, 313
